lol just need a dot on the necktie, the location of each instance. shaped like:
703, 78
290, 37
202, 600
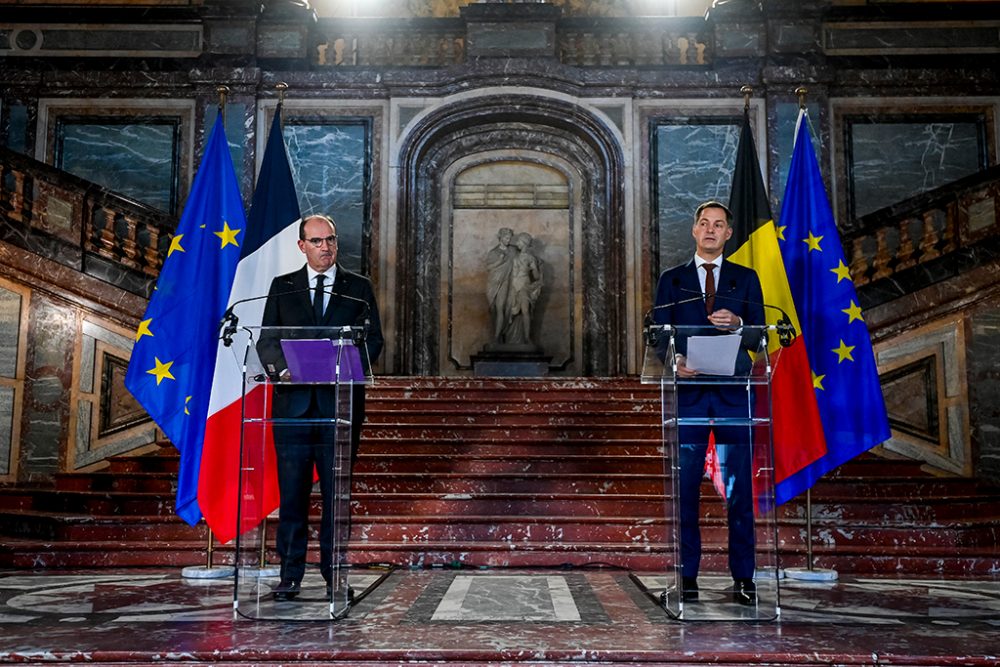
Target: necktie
318, 298
709, 287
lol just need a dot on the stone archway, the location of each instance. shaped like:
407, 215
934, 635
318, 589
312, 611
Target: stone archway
525, 133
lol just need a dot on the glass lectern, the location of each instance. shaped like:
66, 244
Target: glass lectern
284, 367
738, 461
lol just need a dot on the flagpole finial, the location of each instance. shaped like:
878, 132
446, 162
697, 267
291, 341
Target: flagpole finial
801, 92
223, 91
746, 91
281, 87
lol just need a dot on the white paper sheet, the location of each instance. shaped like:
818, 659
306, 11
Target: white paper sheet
714, 355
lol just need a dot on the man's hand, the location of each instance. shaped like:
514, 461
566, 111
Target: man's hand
725, 319
682, 368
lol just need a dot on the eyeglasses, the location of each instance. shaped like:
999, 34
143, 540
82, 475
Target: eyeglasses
317, 242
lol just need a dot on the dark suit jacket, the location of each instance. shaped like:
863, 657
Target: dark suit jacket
289, 304
738, 291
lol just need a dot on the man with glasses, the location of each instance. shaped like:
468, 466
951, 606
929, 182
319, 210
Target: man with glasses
320, 294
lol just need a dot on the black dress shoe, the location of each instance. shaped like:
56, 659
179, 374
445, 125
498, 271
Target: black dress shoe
286, 590
689, 589
745, 592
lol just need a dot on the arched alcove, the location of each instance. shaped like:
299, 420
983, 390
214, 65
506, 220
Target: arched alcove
529, 133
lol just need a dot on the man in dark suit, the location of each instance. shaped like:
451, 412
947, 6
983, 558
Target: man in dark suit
732, 299
324, 295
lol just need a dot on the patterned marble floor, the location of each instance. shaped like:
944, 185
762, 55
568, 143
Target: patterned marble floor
488, 616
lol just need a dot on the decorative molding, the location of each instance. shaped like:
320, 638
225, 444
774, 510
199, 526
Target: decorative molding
15, 300
101, 40
924, 378
105, 420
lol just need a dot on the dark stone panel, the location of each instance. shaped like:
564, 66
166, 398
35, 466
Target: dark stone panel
118, 275
229, 36
330, 162
48, 373
42, 244
876, 38
794, 36
782, 142
138, 158
695, 158
17, 128
921, 155
739, 40
983, 357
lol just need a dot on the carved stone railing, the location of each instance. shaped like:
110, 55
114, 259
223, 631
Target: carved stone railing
80, 224
632, 43
578, 42
925, 228
364, 43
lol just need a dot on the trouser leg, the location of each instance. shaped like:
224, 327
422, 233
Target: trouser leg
295, 474
692, 466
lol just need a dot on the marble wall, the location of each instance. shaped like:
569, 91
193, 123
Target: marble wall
139, 148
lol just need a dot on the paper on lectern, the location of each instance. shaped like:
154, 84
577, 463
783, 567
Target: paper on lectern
713, 355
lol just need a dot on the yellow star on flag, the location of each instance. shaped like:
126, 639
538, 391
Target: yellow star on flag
843, 352
186, 401
175, 244
162, 370
853, 313
843, 272
818, 381
143, 329
780, 231
813, 242
228, 235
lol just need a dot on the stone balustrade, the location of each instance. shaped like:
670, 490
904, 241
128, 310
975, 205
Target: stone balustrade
924, 228
579, 43
78, 223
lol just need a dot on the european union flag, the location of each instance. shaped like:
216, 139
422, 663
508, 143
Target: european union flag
173, 361
845, 377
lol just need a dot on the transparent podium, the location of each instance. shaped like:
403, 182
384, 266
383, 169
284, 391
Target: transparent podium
298, 388
722, 509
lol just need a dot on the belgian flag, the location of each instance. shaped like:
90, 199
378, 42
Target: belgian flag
797, 429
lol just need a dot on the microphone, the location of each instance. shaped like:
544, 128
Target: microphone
784, 326
230, 322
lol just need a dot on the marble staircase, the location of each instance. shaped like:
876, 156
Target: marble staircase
517, 473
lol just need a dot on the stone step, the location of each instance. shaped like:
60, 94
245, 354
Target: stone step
508, 432
547, 529
452, 447
500, 464
99, 503
475, 483
647, 410
874, 560
895, 487
520, 419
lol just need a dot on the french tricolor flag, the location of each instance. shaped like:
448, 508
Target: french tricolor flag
269, 250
